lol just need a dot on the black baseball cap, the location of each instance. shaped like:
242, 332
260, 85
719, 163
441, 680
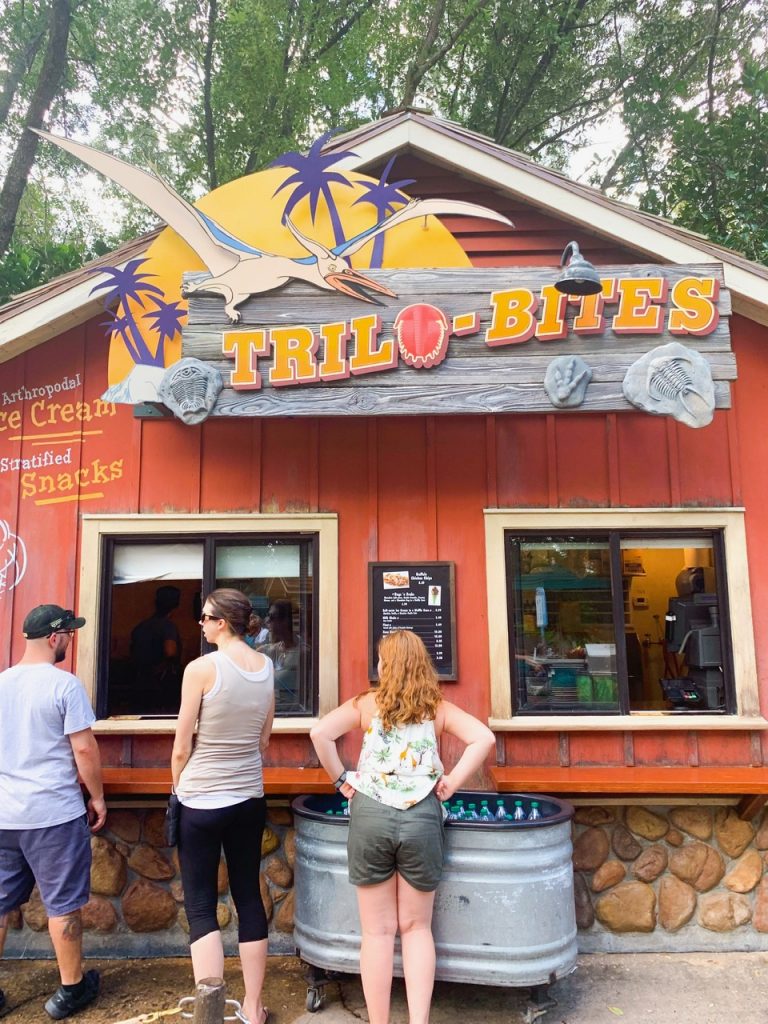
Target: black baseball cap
50, 618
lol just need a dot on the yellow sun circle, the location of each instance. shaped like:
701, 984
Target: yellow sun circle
249, 209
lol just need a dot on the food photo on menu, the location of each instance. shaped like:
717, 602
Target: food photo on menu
434, 596
396, 579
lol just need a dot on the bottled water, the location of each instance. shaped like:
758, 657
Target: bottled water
485, 811
501, 813
459, 812
534, 814
518, 814
472, 814
448, 814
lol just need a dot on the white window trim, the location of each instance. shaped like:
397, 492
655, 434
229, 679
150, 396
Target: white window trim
96, 528
729, 520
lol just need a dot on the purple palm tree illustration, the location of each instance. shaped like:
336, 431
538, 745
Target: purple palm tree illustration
313, 179
122, 284
385, 197
166, 320
119, 323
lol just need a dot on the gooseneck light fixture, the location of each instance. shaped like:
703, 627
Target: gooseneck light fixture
579, 277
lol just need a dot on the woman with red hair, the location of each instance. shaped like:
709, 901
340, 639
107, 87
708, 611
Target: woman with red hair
395, 844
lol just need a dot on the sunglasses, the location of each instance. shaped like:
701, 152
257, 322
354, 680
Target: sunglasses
65, 632
205, 617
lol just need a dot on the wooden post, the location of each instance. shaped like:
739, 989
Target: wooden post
210, 996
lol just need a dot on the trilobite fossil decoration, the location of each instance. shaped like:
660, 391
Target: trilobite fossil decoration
566, 381
672, 380
189, 388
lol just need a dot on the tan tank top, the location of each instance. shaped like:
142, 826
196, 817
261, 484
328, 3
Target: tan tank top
226, 757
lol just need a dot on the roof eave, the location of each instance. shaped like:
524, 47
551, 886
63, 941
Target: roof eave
552, 192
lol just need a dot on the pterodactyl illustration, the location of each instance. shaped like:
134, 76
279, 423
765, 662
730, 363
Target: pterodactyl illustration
238, 270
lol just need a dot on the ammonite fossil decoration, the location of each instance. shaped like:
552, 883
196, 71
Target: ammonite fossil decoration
566, 381
189, 388
422, 334
672, 380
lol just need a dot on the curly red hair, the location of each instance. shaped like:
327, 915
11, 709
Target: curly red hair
408, 688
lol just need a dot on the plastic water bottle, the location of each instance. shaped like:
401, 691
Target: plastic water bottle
448, 814
459, 813
472, 814
518, 814
485, 812
534, 814
501, 812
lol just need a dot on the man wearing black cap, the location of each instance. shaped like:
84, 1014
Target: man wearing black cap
45, 740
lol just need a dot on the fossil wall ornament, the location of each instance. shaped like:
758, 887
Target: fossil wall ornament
189, 389
672, 380
566, 381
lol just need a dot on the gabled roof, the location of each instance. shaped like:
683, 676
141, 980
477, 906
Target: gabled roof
44, 312
478, 157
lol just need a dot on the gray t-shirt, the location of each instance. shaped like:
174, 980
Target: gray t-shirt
40, 706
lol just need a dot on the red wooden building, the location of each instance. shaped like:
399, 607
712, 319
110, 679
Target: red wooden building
579, 538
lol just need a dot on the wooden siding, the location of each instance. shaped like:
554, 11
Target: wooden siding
403, 487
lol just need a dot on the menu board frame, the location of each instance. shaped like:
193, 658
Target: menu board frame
444, 576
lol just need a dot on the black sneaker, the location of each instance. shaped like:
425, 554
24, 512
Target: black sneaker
62, 1003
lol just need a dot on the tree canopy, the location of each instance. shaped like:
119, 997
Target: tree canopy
209, 90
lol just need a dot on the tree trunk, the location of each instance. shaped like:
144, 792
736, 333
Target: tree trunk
48, 84
210, 138
21, 63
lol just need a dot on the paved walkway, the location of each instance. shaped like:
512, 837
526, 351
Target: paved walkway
698, 988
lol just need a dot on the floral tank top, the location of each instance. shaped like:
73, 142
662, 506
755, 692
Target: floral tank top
400, 767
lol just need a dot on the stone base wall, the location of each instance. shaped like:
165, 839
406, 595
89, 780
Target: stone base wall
136, 903
675, 879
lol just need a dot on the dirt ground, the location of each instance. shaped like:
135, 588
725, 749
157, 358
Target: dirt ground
133, 987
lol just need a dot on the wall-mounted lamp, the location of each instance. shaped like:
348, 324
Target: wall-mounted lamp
579, 276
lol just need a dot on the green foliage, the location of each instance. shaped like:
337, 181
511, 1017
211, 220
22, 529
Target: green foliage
208, 90
27, 266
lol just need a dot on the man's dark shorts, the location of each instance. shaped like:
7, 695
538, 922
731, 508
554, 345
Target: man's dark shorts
383, 840
58, 858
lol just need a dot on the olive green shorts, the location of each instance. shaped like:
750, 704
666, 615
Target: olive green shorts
383, 840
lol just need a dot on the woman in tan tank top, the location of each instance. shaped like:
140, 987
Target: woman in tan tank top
217, 775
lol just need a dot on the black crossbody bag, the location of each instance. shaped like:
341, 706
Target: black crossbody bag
172, 816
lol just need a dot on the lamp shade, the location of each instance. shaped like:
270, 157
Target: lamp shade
579, 277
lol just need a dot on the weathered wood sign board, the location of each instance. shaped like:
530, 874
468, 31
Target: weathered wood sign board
419, 596
453, 341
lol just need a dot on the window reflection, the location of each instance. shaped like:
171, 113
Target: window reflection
573, 651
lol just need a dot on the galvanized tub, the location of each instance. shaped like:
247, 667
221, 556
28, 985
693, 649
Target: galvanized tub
504, 911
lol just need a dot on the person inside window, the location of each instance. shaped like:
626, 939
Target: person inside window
156, 654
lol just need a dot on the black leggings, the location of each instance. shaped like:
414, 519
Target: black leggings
202, 834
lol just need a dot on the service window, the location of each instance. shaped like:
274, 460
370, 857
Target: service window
152, 592
630, 617
617, 621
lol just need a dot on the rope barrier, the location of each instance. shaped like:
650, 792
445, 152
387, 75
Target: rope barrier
187, 1002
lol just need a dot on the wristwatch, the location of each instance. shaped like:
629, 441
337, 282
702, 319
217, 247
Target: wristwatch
340, 781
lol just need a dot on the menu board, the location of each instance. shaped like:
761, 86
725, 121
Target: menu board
419, 596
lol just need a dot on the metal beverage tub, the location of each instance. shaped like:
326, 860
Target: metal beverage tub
504, 911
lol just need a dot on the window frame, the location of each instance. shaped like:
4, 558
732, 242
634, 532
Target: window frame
96, 529
730, 522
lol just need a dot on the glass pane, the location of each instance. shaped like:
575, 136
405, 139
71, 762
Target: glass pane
674, 650
564, 647
153, 626
277, 576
